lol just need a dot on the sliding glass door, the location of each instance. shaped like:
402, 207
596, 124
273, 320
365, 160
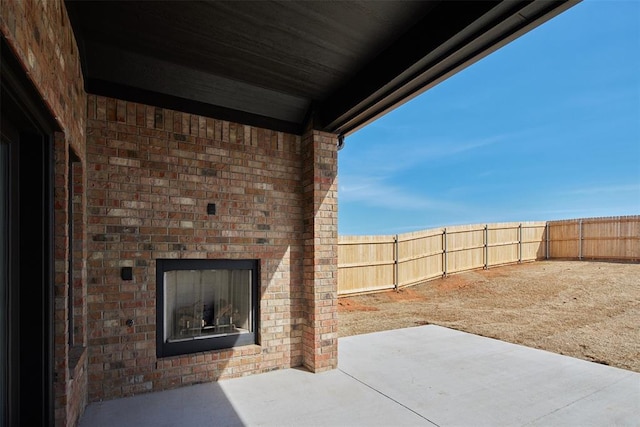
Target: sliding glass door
26, 250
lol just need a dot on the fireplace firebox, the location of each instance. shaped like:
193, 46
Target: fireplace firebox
205, 305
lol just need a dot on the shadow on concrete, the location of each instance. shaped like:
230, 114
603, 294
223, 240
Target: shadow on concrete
197, 405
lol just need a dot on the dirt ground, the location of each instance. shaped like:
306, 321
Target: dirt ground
589, 310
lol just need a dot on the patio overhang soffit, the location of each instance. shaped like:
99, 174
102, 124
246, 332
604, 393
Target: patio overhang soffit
283, 65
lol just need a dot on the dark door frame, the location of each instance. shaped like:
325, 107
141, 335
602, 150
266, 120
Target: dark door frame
28, 352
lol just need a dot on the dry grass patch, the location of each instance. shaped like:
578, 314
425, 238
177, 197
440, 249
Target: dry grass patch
589, 310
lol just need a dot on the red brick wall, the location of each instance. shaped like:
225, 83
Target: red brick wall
319, 178
39, 35
151, 174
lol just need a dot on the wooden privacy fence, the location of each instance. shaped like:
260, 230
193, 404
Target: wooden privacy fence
375, 263
614, 238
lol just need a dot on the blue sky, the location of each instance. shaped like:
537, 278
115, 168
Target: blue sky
548, 127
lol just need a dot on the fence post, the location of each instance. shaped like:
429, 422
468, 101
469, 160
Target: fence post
520, 243
486, 246
395, 263
444, 252
580, 240
546, 251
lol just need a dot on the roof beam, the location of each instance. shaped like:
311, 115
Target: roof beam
451, 37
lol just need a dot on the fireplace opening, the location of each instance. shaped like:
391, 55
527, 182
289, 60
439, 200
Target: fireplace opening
205, 305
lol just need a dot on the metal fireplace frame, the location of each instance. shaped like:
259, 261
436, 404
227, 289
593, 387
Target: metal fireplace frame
209, 343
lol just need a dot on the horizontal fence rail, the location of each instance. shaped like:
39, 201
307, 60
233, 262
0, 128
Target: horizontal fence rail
376, 263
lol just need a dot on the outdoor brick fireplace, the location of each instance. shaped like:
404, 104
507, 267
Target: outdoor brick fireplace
205, 304
267, 251
171, 292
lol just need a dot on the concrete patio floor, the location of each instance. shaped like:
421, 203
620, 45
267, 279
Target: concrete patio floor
426, 375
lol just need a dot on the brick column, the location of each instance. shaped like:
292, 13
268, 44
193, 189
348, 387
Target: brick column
319, 180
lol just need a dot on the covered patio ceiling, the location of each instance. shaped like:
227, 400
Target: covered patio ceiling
284, 65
